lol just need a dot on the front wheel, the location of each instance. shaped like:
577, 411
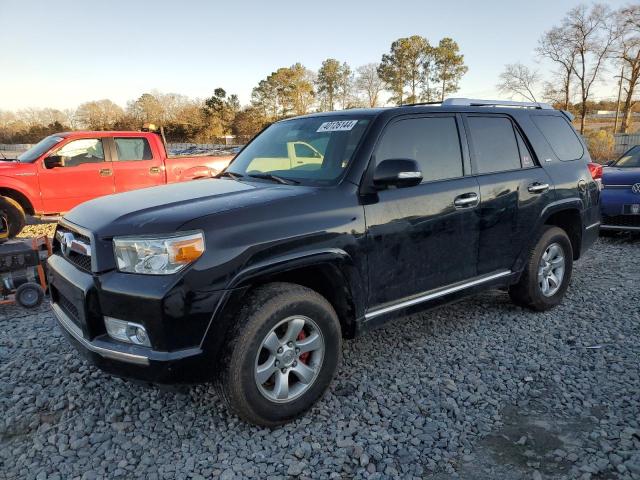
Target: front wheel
547, 274
282, 354
14, 216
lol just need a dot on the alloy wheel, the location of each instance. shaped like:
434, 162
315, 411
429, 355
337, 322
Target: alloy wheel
289, 359
551, 270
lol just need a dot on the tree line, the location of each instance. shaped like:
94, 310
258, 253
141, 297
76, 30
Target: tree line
412, 71
591, 44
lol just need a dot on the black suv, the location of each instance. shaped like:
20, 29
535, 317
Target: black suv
321, 228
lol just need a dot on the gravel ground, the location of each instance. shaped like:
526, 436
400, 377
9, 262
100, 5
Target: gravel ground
477, 390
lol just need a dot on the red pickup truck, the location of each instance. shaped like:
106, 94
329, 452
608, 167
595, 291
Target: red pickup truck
66, 169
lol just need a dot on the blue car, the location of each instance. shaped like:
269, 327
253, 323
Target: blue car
620, 199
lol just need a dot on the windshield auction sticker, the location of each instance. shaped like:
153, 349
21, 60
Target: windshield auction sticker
337, 126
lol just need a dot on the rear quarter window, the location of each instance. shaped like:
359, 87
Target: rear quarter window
561, 137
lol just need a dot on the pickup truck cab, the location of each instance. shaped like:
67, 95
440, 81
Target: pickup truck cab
252, 279
66, 169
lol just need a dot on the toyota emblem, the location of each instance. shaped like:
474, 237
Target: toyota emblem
636, 188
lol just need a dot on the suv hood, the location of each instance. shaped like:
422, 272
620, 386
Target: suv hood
620, 176
166, 208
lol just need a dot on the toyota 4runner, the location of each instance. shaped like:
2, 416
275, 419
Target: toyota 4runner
323, 227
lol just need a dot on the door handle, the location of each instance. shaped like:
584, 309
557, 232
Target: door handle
154, 170
538, 187
466, 200
105, 172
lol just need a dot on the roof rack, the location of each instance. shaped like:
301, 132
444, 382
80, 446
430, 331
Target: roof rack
417, 104
472, 102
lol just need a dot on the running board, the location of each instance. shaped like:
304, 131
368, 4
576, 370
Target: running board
434, 294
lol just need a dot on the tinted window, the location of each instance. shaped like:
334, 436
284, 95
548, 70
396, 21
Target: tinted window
133, 149
78, 152
526, 159
631, 159
560, 135
433, 142
494, 144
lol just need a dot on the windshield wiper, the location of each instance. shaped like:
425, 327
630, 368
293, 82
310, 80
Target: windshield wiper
275, 178
233, 176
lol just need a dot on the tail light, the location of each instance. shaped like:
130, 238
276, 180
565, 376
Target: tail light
595, 169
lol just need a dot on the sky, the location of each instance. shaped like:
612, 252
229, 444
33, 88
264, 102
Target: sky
62, 53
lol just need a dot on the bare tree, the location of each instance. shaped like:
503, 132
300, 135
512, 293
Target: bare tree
555, 46
628, 54
369, 83
518, 79
592, 35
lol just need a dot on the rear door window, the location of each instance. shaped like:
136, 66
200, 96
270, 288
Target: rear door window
561, 136
494, 144
133, 149
433, 142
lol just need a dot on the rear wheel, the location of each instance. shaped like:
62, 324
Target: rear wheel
547, 274
14, 215
282, 354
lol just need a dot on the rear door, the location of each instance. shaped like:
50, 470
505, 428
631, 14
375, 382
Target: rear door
513, 189
423, 237
135, 165
86, 174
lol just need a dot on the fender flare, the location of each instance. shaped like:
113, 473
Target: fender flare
24, 199
571, 203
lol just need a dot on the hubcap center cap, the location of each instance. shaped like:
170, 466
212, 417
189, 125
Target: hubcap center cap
288, 357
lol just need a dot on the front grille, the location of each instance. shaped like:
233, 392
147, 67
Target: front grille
622, 220
80, 260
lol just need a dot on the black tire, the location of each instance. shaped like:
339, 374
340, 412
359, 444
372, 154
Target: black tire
29, 295
528, 292
265, 308
14, 214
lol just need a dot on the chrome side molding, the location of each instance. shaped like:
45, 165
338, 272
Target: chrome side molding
437, 293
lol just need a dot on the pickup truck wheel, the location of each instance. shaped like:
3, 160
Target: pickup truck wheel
547, 274
282, 354
14, 214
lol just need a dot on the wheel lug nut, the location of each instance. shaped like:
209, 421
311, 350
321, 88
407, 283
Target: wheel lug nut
284, 370
290, 344
280, 350
295, 364
297, 350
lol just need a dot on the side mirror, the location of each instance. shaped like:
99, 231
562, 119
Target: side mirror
53, 161
398, 172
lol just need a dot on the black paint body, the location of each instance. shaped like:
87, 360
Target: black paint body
363, 248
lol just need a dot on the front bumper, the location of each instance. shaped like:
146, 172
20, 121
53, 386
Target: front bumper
615, 200
177, 324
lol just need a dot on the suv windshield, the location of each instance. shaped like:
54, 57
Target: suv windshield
314, 150
631, 159
39, 148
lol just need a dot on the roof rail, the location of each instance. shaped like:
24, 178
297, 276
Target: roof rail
472, 102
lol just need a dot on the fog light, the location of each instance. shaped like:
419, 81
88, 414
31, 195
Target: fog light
128, 332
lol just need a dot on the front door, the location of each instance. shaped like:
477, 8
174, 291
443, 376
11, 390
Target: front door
134, 165
513, 189
423, 237
85, 173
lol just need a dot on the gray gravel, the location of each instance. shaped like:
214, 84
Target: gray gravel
477, 390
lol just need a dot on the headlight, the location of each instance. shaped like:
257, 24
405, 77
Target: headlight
158, 255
